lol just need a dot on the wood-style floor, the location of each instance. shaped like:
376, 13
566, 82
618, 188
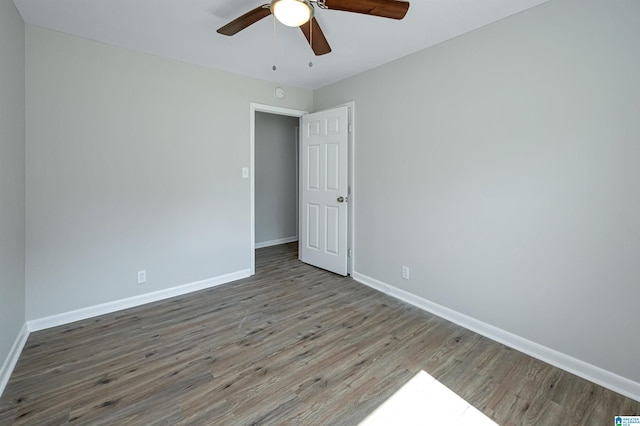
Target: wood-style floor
290, 345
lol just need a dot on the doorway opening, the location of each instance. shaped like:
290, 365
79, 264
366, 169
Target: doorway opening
273, 220
276, 179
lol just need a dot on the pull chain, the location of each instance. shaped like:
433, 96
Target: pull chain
311, 38
274, 43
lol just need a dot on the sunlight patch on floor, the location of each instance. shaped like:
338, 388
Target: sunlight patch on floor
425, 401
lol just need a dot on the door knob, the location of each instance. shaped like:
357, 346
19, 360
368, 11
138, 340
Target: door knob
340, 199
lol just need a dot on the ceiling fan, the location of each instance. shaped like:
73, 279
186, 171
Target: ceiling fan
300, 13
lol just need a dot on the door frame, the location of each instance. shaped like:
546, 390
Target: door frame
351, 184
271, 109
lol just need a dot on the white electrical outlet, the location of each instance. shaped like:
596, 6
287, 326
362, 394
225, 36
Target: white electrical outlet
405, 272
142, 276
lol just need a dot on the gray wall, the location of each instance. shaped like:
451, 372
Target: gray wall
12, 170
276, 177
502, 167
133, 162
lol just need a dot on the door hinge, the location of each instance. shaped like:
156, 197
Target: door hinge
350, 128
349, 253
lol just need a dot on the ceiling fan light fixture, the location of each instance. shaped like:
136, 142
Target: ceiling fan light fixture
292, 13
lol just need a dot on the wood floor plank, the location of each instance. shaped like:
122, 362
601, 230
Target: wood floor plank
291, 345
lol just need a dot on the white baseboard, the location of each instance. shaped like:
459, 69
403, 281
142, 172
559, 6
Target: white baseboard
568, 363
117, 305
12, 358
276, 242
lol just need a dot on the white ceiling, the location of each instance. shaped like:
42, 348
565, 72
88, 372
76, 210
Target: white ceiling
186, 30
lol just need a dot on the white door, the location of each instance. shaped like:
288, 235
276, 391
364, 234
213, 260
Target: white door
323, 189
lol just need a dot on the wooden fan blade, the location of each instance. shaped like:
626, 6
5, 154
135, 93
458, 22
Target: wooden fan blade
316, 37
393, 9
245, 20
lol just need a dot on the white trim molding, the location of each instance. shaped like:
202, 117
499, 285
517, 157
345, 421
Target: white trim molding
276, 242
12, 358
580, 368
117, 305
